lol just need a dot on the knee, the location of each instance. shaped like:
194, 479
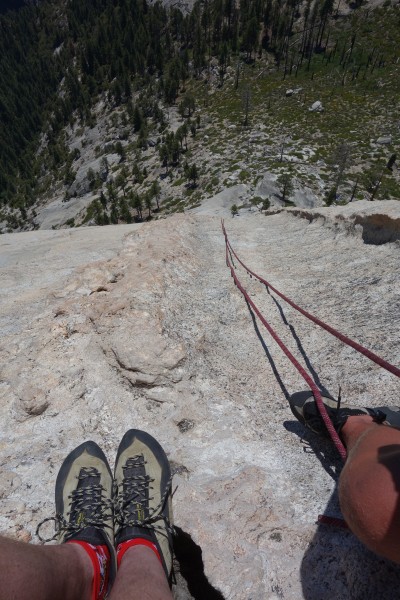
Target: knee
369, 499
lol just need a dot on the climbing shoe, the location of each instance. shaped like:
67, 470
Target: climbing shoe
143, 508
305, 409
84, 512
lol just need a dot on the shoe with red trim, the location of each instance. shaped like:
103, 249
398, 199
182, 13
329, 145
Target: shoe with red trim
143, 511
84, 512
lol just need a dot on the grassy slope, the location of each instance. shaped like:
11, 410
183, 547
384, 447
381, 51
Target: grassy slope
357, 112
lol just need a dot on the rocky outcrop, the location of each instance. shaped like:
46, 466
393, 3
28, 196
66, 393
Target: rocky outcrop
316, 107
376, 223
104, 329
384, 140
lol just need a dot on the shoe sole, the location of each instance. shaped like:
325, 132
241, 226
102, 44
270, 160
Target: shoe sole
297, 401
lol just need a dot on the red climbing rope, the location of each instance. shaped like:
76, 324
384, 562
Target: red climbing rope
317, 394
333, 521
368, 353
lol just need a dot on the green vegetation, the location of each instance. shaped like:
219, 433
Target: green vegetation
266, 204
58, 59
286, 187
29, 75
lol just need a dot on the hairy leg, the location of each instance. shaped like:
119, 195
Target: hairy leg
369, 485
29, 572
140, 577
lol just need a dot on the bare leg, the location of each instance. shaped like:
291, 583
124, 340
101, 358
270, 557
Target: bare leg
29, 572
140, 577
369, 485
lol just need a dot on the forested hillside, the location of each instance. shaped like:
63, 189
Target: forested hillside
7, 5
67, 67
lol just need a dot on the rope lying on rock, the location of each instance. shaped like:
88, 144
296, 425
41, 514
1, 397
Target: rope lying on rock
368, 353
316, 392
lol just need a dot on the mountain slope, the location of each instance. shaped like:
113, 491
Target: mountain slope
101, 102
152, 333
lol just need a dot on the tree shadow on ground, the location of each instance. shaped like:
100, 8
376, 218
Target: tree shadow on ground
191, 567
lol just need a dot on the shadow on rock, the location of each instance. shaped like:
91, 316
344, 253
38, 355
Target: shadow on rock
324, 450
191, 567
300, 347
336, 566
268, 354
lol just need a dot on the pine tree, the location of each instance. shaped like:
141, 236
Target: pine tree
246, 100
135, 202
155, 191
285, 182
148, 204
137, 119
250, 37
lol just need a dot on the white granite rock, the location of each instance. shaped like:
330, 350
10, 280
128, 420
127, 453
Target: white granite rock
384, 140
316, 107
163, 341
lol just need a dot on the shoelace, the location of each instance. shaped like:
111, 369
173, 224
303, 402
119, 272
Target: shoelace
135, 488
82, 500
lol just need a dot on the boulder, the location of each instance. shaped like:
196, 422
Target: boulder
316, 107
384, 139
